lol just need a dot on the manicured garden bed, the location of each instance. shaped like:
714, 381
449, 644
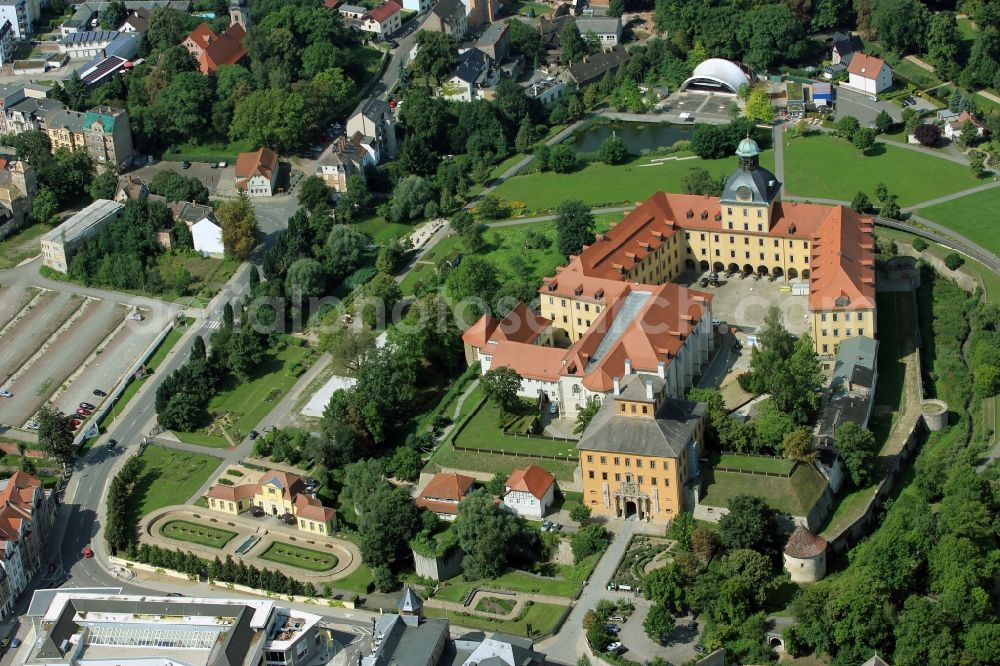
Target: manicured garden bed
205, 535
542, 618
296, 556
495, 605
447, 456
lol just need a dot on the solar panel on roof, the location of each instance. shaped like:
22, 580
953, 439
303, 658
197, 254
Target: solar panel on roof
100, 71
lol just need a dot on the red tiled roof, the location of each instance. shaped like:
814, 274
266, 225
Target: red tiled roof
311, 508
202, 36
234, 493
804, 544
447, 486
532, 479
384, 11
227, 49
573, 284
261, 162
520, 325
843, 262
531, 361
331, 4
864, 65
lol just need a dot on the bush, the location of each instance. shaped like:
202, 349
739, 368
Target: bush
588, 541
919, 245
580, 513
954, 260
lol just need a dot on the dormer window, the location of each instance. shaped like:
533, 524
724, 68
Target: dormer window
689, 214
704, 214
842, 302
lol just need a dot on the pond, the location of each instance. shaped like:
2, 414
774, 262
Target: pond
637, 136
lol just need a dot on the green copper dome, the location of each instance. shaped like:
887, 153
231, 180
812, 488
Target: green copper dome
748, 148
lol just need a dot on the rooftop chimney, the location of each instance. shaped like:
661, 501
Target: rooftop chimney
618, 386
628, 366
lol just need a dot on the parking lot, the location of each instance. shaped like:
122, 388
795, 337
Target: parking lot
60, 346
744, 302
677, 649
700, 103
863, 107
218, 179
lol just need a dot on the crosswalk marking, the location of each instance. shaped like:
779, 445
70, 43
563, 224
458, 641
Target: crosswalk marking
212, 324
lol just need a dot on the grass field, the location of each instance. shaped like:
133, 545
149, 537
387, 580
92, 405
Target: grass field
22, 245
296, 556
204, 535
754, 464
447, 456
380, 230
214, 152
973, 216
481, 431
205, 271
966, 29
825, 167
359, 582
916, 74
794, 495
541, 617
567, 580
171, 477
601, 184
495, 605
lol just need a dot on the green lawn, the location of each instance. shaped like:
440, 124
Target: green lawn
215, 152
754, 464
601, 184
170, 477
848, 507
204, 535
205, 271
447, 456
359, 582
916, 74
22, 245
481, 431
794, 495
825, 167
973, 216
296, 556
966, 29
567, 580
541, 617
381, 231
524, 6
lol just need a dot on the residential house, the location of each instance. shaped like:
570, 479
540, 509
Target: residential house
530, 492
86, 44
374, 118
136, 22
545, 88
868, 74
821, 94
483, 12
383, 21
495, 42
953, 128
111, 59
277, 494
25, 107
406, 637
212, 50
608, 29
502, 650
443, 494
473, 77
18, 13
257, 172
8, 42
86, 14
551, 30
17, 194
206, 237
352, 12
58, 245
344, 158
594, 66
27, 512
449, 17
845, 45
104, 132
419, 6
640, 450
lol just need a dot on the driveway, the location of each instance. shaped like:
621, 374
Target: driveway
861, 106
208, 176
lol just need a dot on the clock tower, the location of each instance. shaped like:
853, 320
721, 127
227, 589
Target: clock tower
749, 192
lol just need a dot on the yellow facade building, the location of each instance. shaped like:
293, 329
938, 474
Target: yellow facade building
636, 454
276, 494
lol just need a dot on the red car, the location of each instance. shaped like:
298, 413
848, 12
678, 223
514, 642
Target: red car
87, 552
75, 423
84, 412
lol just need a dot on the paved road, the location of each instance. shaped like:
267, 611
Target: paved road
863, 107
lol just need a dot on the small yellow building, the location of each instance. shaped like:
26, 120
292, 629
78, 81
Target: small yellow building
635, 454
277, 494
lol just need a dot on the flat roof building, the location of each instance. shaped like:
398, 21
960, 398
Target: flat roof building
59, 244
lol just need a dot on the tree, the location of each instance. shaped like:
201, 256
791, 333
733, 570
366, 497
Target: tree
954, 261
437, 55
45, 205
927, 134
387, 522
175, 187
562, 158
580, 513
105, 184
574, 48
589, 540
239, 227
750, 523
501, 386
55, 434
343, 250
856, 449
409, 199
198, 351
613, 150
861, 203
585, 416
244, 352
575, 226
769, 34
666, 587
944, 45
492, 207
271, 117
900, 24
658, 623
883, 122
847, 126
382, 294
307, 277
313, 192
617, 7
797, 445
864, 139
758, 106
890, 209
475, 282
183, 108
113, 14
485, 533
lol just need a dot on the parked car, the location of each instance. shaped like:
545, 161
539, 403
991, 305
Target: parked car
256, 511
612, 628
691, 626
100, 394
214, 165
6, 394
223, 165
553, 407
111, 443
253, 435
84, 412
288, 519
268, 429
87, 552
175, 594
75, 422
4, 642
15, 642
31, 425
135, 316
617, 618
86, 405
699, 648
703, 282
185, 165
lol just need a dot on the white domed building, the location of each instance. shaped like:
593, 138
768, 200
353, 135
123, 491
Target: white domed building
717, 75
805, 556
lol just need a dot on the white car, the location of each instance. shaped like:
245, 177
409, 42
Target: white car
135, 316
612, 647
6, 394
31, 425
